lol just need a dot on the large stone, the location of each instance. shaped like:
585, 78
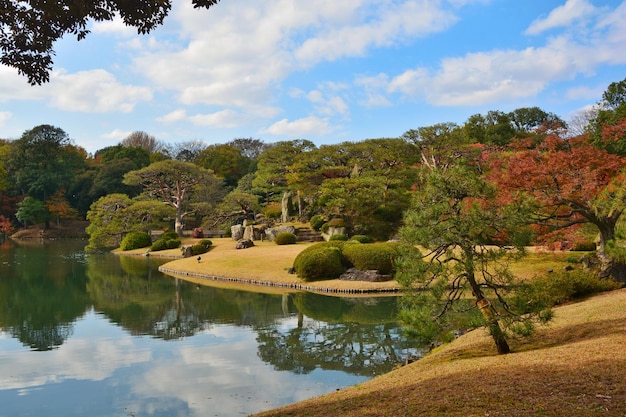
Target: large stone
236, 232
186, 251
272, 232
354, 274
244, 244
252, 233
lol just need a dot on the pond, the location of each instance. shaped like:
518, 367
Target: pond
103, 335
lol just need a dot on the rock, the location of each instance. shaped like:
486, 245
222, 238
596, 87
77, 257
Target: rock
354, 274
236, 232
568, 268
252, 233
186, 251
244, 244
271, 233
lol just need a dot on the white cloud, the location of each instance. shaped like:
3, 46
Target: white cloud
237, 57
499, 75
386, 25
226, 118
115, 26
95, 91
173, 117
117, 134
304, 127
223, 118
565, 15
4, 116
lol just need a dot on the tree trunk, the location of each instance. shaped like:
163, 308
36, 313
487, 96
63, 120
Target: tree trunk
178, 223
486, 308
496, 332
608, 266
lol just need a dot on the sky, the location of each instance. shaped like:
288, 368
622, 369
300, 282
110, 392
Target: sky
328, 71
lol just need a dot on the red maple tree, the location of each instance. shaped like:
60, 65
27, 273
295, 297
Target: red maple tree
571, 181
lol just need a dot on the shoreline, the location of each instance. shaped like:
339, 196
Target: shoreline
265, 265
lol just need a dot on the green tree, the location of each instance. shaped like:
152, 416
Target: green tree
29, 29
31, 210
106, 226
608, 128
468, 235
226, 161
531, 119
38, 162
173, 183
108, 179
493, 128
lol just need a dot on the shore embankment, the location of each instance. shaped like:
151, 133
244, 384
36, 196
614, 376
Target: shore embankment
263, 265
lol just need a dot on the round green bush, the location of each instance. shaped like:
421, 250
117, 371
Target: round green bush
172, 243
362, 238
201, 247
158, 245
317, 222
324, 262
338, 236
285, 238
375, 256
135, 240
169, 235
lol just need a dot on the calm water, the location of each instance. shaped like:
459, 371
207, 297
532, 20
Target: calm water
101, 335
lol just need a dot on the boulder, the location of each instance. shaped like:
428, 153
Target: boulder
252, 233
186, 251
354, 274
236, 232
244, 244
271, 233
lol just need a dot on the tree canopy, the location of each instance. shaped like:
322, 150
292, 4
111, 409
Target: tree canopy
29, 28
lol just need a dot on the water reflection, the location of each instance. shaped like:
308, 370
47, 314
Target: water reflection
113, 336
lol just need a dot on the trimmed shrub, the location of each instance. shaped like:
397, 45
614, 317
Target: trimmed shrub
584, 246
317, 222
135, 240
285, 238
172, 243
375, 256
362, 238
338, 236
166, 241
564, 286
158, 245
201, 247
324, 262
169, 235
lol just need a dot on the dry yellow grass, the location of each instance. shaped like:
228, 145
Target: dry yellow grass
575, 368
263, 264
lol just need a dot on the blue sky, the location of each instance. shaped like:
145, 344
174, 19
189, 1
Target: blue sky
326, 70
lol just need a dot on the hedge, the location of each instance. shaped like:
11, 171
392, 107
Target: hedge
135, 240
373, 256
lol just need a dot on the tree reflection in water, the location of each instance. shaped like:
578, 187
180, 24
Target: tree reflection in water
344, 340
43, 291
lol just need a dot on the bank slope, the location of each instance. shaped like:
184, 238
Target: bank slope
575, 367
